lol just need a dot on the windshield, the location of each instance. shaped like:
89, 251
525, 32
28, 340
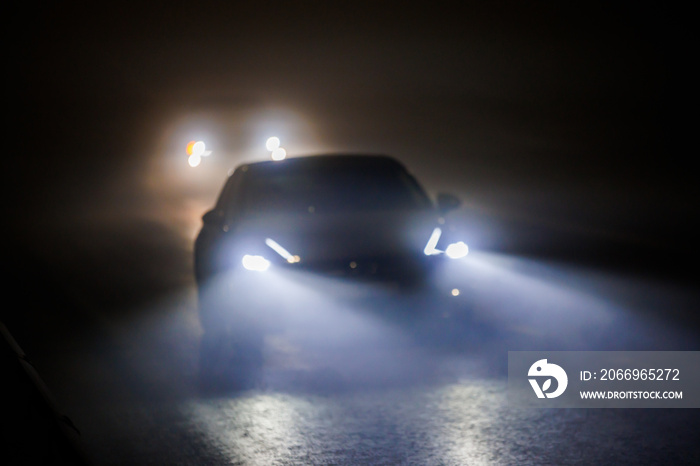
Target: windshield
327, 189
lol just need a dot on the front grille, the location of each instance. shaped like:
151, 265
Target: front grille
373, 269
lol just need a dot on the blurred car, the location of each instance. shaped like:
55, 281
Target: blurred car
352, 227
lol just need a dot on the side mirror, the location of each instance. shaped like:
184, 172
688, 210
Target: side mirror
213, 218
447, 202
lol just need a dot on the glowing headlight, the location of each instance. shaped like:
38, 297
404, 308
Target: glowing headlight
457, 250
432, 242
256, 263
275, 246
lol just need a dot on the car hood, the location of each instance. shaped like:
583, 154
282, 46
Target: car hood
346, 236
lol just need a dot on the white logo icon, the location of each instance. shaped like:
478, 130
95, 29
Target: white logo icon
543, 369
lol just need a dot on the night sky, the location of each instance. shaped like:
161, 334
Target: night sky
577, 118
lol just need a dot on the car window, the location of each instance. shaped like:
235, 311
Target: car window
330, 189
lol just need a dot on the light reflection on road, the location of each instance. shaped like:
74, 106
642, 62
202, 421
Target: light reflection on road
367, 391
443, 425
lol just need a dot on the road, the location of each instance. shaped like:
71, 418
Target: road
362, 389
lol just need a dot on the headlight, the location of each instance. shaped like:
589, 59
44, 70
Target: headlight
430, 249
457, 250
259, 263
275, 246
453, 251
255, 263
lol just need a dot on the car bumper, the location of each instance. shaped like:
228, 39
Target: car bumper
279, 296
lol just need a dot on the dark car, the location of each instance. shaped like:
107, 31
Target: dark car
355, 228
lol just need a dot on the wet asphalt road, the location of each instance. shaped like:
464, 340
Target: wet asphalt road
365, 390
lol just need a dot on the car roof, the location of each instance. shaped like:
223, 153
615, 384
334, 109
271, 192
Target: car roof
326, 161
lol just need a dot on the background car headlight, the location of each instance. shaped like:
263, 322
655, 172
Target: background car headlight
256, 263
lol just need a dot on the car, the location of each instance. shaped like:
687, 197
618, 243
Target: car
353, 227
